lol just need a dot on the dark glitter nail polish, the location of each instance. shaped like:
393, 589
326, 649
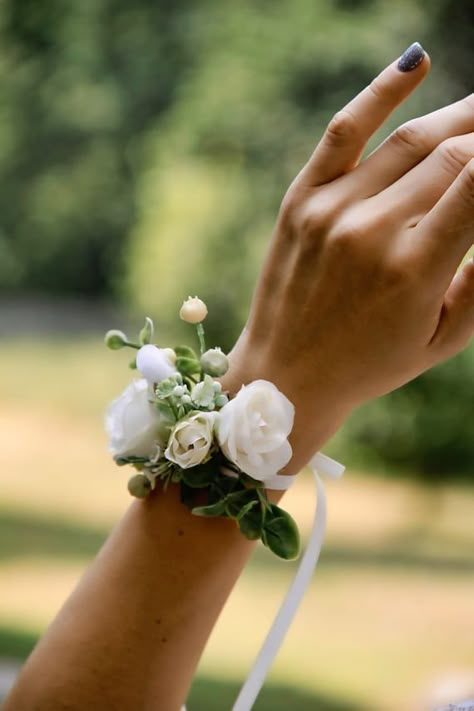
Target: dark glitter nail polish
411, 57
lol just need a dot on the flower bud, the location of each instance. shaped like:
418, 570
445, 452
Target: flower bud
153, 364
214, 362
115, 340
170, 354
139, 486
146, 334
193, 310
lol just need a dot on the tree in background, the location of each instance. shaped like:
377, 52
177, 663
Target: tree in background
81, 83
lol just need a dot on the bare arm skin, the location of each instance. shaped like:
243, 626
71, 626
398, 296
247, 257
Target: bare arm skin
358, 294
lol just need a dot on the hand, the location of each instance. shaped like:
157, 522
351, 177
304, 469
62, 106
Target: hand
359, 291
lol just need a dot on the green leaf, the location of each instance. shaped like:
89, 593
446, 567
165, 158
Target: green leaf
251, 520
133, 364
165, 409
186, 494
237, 500
186, 352
200, 476
187, 366
146, 334
246, 508
250, 482
280, 533
129, 460
217, 509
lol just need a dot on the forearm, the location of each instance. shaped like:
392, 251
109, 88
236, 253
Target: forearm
132, 632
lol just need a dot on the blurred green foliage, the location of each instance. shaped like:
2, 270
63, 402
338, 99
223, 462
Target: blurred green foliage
145, 147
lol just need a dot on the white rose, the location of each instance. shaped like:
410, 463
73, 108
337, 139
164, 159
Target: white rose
154, 363
252, 429
134, 426
191, 439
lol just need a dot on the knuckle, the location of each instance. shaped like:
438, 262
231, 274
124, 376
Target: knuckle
313, 220
311, 223
288, 207
342, 128
346, 236
452, 155
411, 136
466, 184
469, 174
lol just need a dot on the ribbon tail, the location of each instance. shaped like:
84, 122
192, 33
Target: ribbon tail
287, 611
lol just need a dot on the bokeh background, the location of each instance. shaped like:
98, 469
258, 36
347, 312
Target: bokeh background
144, 150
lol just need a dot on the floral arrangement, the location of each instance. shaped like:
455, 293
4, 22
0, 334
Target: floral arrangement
176, 424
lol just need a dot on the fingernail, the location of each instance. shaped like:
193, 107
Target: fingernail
411, 57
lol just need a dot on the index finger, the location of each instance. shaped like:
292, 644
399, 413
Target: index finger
348, 132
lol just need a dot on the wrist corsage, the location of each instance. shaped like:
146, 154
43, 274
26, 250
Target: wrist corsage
176, 424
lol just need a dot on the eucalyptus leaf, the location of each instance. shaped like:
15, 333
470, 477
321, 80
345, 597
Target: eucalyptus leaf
280, 533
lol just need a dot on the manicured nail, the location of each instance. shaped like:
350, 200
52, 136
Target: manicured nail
411, 57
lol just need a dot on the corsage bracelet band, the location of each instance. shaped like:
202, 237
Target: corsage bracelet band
175, 424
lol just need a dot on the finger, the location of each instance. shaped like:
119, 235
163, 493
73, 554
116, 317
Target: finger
456, 326
445, 234
414, 194
347, 134
410, 144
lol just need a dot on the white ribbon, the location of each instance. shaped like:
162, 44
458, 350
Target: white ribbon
320, 464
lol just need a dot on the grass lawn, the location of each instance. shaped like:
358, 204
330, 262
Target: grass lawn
390, 612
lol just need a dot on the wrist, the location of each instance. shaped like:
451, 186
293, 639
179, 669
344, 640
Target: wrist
319, 410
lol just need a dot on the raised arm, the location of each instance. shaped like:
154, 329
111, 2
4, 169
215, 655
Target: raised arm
358, 294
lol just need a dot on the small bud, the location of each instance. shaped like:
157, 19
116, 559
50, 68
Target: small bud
115, 340
193, 310
214, 362
139, 486
146, 334
179, 390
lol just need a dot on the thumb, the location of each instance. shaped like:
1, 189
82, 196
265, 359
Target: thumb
456, 326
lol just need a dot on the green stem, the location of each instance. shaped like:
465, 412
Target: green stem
173, 407
132, 345
202, 341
